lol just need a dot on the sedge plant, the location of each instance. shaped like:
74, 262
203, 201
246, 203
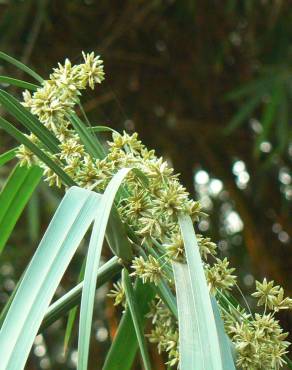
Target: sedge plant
170, 276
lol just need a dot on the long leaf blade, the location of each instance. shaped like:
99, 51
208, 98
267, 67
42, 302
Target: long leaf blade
7, 156
72, 298
20, 66
18, 136
72, 315
29, 121
122, 352
18, 83
70, 223
225, 342
189, 335
209, 356
115, 234
168, 298
14, 196
92, 263
92, 145
137, 320
244, 113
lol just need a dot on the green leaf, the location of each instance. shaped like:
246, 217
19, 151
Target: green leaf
6, 157
199, 345
42, 277
117, 238
8, 303
283, 125
288, 361
101, 129
122, 352
259, 86
21, 66
34, 217
29, 121
18, 83
92, 263
268, 117
168, 298
72, 298
225, 342
137, 320
116, 235
14, 196
72, 314
18, 135
93, 146
244, 113
190, 343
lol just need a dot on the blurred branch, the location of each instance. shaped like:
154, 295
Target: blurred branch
34, 31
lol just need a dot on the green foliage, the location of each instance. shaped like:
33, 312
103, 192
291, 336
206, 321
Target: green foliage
194, 308
92, 263
14, 196
20, 66
136, 318
43, 275
123, 350
148, 224
266, 99
6, 157
18, 83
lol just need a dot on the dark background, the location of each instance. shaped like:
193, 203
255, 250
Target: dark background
208, 85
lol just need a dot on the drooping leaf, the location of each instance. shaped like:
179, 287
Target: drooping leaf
190, 341
115, 235
92, 262
199, 347
71, 299
65, 232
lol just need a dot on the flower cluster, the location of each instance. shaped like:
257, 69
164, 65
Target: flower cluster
52, 103
148, 269
259, 341
219, 276
272, 297
152, 215
118, 294
165, 332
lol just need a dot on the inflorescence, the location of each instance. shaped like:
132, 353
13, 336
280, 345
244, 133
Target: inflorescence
151, 213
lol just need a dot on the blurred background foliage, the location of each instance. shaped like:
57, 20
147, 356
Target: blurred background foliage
208, 84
